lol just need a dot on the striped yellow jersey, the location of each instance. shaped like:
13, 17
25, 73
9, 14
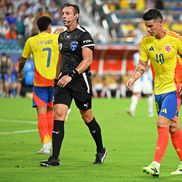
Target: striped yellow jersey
44, 49
164, 57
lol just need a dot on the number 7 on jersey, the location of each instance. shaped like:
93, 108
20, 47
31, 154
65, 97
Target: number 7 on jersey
49, 55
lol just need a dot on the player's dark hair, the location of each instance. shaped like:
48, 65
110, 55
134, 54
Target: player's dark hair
152, 14
76, 7
43, 22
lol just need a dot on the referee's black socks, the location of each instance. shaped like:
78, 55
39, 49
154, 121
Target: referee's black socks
57, 137
96, 134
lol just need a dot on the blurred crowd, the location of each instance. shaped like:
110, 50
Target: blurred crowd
121, 17
9, 83
10, 86
18, 17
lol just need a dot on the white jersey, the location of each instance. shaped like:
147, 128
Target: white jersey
145, 83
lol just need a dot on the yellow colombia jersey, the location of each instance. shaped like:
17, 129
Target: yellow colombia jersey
45, 51
163, 54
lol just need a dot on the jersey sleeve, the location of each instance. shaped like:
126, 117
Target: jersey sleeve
143, 51
26, 49
180, 47
87, 41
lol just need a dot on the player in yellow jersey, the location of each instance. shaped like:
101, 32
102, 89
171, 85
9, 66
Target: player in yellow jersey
162, 48
45, 52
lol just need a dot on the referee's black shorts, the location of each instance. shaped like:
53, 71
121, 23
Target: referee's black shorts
79, 89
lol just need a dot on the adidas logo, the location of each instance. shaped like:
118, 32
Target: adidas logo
154, 169
151, 48
164, 110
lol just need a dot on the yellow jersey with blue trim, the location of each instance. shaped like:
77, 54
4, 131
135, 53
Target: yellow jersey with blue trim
164, 55
45, 51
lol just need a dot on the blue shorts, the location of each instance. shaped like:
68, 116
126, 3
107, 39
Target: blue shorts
42, 96
168, 105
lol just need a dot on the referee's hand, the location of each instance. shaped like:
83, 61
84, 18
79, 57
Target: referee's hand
62, 82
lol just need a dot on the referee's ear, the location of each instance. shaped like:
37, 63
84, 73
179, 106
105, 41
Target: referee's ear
76, 16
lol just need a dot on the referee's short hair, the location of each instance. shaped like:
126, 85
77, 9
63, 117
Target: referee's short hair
152, 14
76, 7
43, 22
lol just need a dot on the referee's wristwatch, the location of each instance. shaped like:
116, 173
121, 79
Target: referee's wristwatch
73, 73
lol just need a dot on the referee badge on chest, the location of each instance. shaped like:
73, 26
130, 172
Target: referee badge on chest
74, 45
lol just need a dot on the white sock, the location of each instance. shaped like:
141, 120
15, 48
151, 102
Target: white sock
134, 101
150, 104
156, 163
47, 145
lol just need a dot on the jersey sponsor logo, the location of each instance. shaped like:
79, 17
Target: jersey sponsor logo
168, 48
74, 45
87, 41
60, 46
151, 48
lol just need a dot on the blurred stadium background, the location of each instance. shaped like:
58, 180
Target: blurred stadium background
114, 24
116, 28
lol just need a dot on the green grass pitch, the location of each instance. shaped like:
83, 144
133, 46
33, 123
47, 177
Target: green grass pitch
130, 142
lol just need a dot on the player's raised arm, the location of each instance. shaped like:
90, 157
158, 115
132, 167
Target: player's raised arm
140, 69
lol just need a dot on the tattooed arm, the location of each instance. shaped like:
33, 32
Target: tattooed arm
140, 69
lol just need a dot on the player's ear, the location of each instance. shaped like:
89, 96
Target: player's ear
49, 28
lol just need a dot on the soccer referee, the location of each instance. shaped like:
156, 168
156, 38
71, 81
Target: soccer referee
76, 47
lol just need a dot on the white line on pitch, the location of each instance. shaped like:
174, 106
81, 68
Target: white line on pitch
17, 132
18, 121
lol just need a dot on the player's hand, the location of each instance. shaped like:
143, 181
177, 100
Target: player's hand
20, 76
62, 82
130, 83
58, 31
